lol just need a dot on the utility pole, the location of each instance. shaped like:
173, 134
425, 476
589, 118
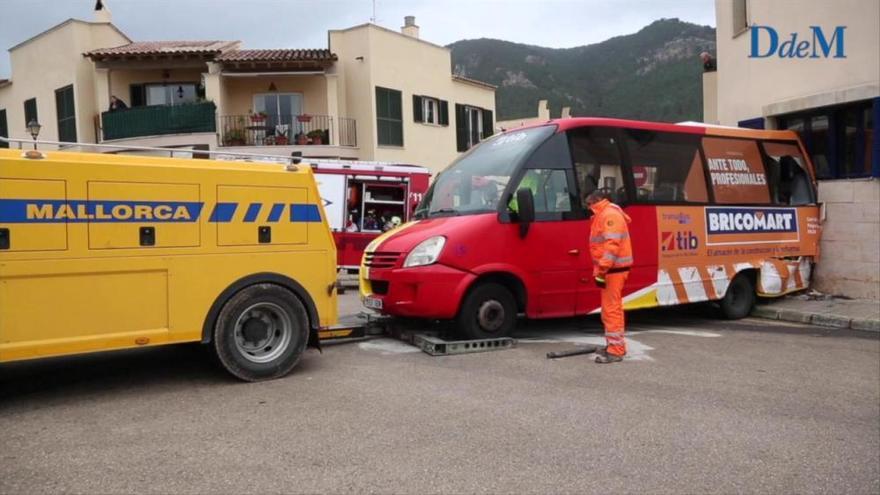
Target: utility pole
373, 19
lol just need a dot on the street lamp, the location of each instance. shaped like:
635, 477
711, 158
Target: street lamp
33, 128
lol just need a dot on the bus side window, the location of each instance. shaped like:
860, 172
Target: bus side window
788, 178
597, 163
736, 171
666, 167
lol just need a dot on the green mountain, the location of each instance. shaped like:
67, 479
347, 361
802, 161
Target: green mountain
654, 74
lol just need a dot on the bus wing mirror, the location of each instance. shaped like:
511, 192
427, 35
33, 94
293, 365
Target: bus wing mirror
525, 202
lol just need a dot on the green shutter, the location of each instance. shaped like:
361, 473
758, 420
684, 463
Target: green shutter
30, 110
4, 128
488, 127
389, 117
417, 109
444, 112
66, 114
461, 132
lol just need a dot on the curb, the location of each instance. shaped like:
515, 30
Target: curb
818, 319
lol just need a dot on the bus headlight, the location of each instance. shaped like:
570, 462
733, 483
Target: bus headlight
426, 252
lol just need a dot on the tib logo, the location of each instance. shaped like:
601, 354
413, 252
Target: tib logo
679, 241
765, 43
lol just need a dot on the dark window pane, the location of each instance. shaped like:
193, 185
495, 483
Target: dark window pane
817, 137
670, 164
4, 128
869, 139
597, 162
30, 110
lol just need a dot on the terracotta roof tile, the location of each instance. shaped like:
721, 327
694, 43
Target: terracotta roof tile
281, 55
164, 48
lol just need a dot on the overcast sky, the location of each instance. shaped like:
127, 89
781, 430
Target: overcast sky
304, 24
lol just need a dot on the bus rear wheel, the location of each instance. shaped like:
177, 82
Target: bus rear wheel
739, 299
488, 311
261, 332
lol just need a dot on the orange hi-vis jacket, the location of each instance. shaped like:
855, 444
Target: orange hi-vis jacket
610, 245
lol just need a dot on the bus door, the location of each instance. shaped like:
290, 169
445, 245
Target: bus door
597, 165
555, 241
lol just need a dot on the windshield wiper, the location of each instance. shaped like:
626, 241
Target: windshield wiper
443, 211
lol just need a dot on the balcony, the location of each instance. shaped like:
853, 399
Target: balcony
159, 120
287, 130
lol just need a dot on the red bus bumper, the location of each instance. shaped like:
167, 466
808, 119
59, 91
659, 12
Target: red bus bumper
432, 291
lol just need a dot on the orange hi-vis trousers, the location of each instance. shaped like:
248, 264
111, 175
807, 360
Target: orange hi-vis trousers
612, 313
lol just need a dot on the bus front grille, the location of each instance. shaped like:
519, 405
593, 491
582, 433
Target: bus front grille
381, 259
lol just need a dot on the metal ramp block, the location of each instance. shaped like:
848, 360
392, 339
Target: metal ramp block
439, 347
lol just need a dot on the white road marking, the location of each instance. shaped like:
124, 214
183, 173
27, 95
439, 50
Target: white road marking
388, 346
671, 331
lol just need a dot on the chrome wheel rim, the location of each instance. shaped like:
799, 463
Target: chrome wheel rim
262, 332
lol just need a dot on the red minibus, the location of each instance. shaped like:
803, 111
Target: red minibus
718, 213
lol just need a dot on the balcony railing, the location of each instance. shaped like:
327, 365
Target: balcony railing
158, 120
281, 130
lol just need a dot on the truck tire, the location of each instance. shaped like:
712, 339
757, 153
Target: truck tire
488, 311
739, 299
261, 332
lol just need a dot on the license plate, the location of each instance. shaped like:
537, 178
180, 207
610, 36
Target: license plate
373, 303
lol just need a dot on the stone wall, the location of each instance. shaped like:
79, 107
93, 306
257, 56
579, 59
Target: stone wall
849, 263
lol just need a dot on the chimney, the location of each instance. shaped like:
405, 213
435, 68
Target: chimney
102, 13
409, 27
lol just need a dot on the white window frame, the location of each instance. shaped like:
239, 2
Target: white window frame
427, 103
278, 102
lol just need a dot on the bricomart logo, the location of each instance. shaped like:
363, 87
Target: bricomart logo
751, 225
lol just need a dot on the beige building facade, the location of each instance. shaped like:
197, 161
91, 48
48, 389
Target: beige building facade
543, 115
372, 94
812, 66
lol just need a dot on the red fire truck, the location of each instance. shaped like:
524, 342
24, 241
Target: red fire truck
364, 199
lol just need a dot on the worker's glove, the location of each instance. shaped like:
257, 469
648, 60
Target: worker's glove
600, 281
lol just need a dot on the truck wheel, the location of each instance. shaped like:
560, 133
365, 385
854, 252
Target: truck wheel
261, 332
488, 311
739, 299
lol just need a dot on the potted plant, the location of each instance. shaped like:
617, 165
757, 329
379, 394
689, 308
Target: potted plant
281, 140
258, 117
316, 136
304, 118
301, 139
234, 137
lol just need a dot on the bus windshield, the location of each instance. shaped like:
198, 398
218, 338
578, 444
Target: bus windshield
476, 181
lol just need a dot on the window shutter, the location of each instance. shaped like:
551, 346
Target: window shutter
461, 128
418, 113
138, 95
444, 112
488, 125
30, 110
4, 129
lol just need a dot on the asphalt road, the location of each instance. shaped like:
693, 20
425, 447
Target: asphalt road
701, 406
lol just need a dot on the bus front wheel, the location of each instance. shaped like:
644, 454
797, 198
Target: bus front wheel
261, 332
488, 311
739, 299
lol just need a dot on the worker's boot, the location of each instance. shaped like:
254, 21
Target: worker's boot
606, 358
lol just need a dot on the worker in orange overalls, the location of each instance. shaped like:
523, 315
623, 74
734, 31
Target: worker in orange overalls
611, 251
